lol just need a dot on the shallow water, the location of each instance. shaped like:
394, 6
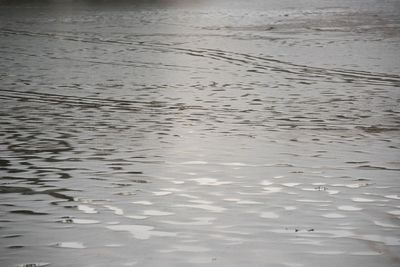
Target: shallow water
228, 134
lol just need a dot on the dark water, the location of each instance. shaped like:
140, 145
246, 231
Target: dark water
164, 133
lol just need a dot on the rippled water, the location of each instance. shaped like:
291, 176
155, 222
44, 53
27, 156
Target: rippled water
226, 134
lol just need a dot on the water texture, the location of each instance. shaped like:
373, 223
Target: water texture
209, 133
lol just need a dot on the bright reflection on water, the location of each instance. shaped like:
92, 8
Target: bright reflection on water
198, 133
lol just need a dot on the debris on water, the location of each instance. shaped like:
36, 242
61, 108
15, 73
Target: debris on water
66, 220
139, 181
39, 264
321, 188
362, 179
296, 230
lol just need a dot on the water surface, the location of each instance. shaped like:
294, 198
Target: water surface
240, 133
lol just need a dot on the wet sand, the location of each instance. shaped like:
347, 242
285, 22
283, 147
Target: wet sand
227, 134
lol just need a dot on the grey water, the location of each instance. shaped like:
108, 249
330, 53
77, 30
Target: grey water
199, 133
